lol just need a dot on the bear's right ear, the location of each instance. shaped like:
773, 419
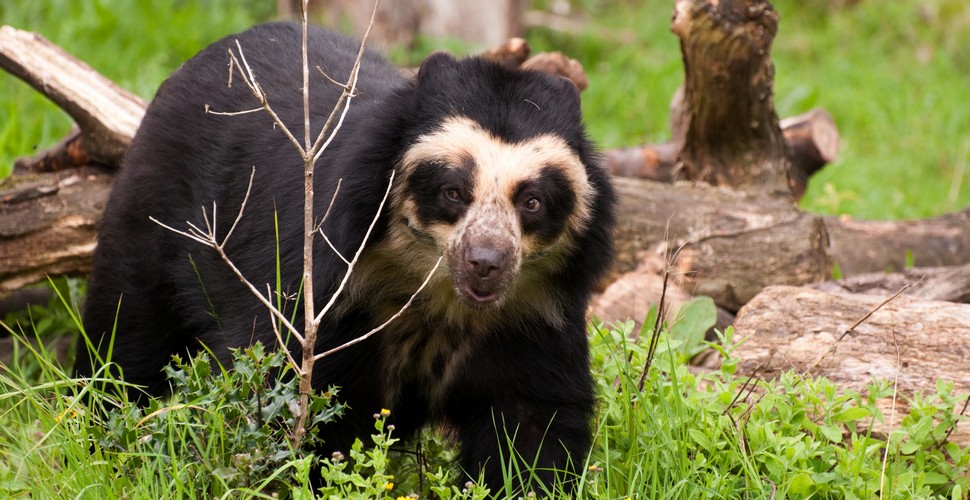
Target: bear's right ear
434, 66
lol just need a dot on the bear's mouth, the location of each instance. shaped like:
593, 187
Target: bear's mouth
477, 297
481, 296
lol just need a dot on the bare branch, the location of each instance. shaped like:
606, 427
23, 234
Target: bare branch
335, 82
191, 234
332, 247
306, 84
360, 250
383, 325
209, 111
269, 305
350, 91
332, 200
242, 207
258, 93
209, 239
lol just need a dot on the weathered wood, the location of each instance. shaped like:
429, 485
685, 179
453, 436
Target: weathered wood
732, 135
48, 224
558, 64
107, 114
630, 295
733, 244
796, 327
813, 139
655, 162
950, 284
867, 246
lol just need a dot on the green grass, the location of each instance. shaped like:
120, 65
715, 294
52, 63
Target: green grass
683, 435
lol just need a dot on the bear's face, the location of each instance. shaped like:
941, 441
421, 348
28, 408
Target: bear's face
494, 209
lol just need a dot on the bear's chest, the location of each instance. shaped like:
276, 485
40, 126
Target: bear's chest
426, 356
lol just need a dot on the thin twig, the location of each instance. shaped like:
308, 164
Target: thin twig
242, 207
332, 200
360, 250
855, 325
350, 91
383, 325
258, 93
892, 415
209, 111
209, 240
278, 334
332, 247
669, 259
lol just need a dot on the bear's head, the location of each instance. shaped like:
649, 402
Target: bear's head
496, 175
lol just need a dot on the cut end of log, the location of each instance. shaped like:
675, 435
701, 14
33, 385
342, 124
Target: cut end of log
817, 129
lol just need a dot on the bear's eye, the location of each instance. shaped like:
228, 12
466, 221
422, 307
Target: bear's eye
532, 204
453, 194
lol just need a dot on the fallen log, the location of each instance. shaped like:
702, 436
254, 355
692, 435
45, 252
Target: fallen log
868, 246
630, 295
950, 284
816, 332
48, 224
730, 244
107, 114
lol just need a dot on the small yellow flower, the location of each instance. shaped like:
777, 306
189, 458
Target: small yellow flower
389, 486
385, 412
69, 413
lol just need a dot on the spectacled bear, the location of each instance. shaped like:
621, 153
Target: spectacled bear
493, 171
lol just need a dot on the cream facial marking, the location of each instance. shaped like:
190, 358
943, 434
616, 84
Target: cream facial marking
501, 166
503, 214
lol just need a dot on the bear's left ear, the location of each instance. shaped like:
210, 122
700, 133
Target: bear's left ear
434, 66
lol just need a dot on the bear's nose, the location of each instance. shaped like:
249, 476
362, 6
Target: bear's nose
485, 262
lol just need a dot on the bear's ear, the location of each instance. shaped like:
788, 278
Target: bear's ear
434, 66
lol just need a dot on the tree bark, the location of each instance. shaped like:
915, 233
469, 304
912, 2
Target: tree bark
732, 135
866, 246
812, 137
48, 224
731, 244
950, 284
736, 244
788, 328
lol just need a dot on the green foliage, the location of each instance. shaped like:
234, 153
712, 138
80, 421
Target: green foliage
717, 435
686, 435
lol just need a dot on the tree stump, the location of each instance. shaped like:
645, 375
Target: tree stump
732, 136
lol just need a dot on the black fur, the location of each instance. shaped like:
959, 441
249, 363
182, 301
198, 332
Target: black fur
174, 294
